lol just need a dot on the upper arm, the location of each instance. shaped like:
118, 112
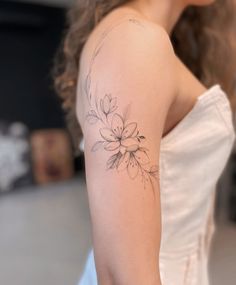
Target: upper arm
130, 88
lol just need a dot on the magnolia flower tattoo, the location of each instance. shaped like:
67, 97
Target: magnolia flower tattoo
119, 135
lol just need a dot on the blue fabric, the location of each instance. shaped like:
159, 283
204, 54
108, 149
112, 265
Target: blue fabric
89, 275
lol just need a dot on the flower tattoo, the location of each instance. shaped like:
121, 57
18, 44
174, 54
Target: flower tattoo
108, 104
124, 139
118, 135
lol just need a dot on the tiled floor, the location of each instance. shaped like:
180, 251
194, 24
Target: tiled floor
45, 235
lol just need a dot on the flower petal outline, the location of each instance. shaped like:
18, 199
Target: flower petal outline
108, 135
123, 162
106, 104
141, 156
112, 145
129, 130
133, 167
113, 106
129, 141
117, 125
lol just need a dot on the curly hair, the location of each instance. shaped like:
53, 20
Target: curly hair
204, 38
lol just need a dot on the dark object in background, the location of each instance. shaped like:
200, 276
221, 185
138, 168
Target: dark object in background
51, 156
15, 162
29, 36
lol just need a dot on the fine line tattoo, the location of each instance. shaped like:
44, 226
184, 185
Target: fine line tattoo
119, 135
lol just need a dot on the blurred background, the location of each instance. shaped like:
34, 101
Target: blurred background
45, 231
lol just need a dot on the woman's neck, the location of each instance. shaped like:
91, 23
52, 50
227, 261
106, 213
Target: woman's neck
163, 12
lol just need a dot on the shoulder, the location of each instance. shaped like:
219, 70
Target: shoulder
132, 37
146, 34
134, 45
131, 68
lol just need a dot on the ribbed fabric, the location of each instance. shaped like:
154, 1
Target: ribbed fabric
193, 156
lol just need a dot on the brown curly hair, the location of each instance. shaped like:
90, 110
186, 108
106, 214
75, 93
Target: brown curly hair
204, 39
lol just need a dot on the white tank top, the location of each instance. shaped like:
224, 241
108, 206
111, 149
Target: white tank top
193, 156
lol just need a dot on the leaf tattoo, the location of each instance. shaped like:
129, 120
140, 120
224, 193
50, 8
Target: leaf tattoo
118, 134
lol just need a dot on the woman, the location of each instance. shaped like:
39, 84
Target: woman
157, 133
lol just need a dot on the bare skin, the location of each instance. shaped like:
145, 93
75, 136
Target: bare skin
132, 91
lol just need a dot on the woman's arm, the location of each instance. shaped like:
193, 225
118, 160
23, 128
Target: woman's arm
130, 87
